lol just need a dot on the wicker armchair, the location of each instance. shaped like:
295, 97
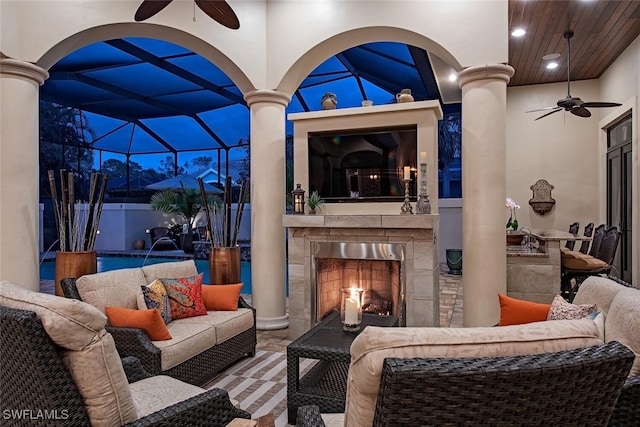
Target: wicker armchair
570, 388
34, 380
198, 370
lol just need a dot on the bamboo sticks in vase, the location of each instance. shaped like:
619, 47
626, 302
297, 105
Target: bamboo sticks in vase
224, 255
224, 229
77, 221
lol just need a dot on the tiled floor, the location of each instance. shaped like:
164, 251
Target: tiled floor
450, 311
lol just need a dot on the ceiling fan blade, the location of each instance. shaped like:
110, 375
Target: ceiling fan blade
580, 111
556, 109
220, 11
600, 104
148, 8
542, 109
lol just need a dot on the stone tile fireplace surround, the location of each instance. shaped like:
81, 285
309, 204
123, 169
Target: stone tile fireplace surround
367, 221
414, 232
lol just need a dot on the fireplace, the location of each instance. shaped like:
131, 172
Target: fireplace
378, 268
365, 224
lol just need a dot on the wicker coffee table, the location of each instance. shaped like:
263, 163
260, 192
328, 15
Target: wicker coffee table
325, 384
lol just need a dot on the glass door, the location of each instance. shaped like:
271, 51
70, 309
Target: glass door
619, 186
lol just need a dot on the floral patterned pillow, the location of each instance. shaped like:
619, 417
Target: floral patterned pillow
185, 296
155, 296
561, 309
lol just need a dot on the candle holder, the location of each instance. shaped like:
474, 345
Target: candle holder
351, 308
423, 206
406, 206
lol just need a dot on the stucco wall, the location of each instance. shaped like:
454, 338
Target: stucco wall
560, 148
290, 28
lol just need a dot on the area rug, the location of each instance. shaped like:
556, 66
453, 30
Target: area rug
259, 383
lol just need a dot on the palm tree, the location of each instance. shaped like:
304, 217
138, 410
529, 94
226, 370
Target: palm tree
187, 204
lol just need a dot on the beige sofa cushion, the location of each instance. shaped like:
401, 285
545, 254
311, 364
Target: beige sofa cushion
188, 339
623, 323
227, 324
598, 290
158, 392
169, 270
374, 344
578, 261
70, 323
98, 373
119, 288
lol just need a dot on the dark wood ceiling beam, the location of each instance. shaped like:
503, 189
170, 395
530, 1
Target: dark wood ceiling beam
603, 30
174, 69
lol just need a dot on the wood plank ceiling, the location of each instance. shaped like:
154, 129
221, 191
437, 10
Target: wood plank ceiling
603, 30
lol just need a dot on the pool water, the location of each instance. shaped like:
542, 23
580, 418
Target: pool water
108, 263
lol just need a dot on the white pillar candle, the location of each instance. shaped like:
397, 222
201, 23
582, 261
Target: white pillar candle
407, 173
351, 311
423, 157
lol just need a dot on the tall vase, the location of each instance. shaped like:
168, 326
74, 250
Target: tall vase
74, 264
224, 265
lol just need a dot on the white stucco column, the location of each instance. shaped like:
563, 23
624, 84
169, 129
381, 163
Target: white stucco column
484, 101
19, 172
268, 260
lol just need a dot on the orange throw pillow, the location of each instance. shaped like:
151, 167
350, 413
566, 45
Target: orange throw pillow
149, 320
221, 297
516, 312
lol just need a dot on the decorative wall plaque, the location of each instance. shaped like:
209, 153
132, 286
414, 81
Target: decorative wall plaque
542, 202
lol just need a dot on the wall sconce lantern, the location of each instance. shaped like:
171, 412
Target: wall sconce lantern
297, 197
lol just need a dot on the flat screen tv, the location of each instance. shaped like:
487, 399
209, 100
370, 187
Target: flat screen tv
362, 165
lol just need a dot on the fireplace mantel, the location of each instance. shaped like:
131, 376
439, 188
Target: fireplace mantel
359, 221
418, 234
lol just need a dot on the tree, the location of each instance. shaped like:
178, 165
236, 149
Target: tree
449, 138
198, 164
114, 167
65, 143
166, 167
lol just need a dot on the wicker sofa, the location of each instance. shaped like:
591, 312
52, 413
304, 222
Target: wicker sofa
569, 388
620, 308
200, 346
60, 367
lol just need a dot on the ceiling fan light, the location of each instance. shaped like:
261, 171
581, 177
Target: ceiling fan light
518, 32
552, 65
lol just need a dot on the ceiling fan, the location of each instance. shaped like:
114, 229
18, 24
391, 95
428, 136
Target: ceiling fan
218, 10
572, 104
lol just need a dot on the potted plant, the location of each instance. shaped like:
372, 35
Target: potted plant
224, 256
77, 225
187, 204
315, 202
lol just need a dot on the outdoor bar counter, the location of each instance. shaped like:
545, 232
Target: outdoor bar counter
534, 275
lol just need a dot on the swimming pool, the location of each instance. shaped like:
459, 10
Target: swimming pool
108, 263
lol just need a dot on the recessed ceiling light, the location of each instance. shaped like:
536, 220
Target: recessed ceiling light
551, 56
518, 32
552, 65
453, 77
